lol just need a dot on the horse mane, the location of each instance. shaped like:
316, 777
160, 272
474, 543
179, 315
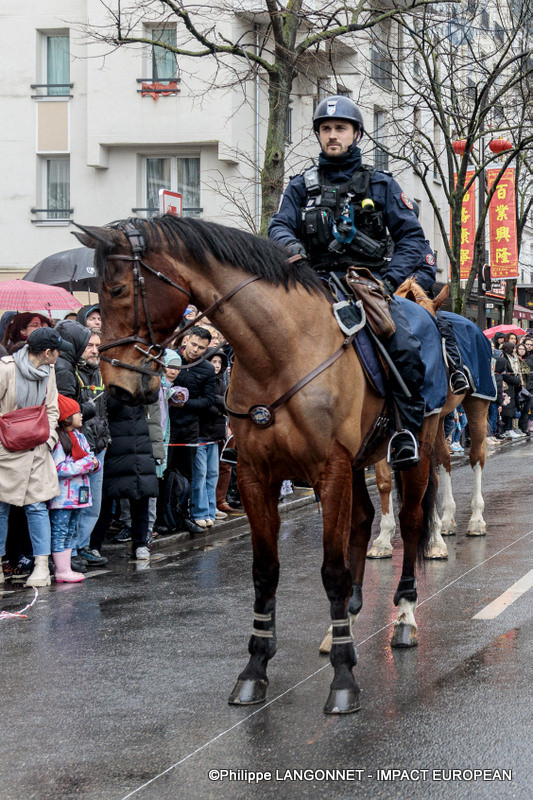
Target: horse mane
231, 246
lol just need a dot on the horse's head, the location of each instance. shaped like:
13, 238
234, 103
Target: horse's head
138, 306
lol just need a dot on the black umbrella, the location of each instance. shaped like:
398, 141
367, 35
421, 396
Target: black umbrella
71, 269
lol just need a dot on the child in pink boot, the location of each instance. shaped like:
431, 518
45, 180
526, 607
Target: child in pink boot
74, 460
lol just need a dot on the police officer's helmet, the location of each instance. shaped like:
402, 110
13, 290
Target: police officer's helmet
338, 107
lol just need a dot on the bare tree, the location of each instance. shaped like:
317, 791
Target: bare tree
461, 76
278, 46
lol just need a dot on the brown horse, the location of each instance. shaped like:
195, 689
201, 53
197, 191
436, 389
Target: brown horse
476, 409
281, 327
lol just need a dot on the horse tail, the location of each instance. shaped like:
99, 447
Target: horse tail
429, 501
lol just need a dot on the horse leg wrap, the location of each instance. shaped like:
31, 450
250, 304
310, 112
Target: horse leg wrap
406, 590
264, 626
342, 635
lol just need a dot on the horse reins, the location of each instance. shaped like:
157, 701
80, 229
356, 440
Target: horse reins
154, 348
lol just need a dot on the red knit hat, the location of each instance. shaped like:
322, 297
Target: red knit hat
67, 407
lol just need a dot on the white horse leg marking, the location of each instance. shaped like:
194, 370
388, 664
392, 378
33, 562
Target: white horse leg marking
382, 545
405, 627
435, 546
448, 524
477, 525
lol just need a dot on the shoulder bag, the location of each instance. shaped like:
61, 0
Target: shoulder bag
24, 428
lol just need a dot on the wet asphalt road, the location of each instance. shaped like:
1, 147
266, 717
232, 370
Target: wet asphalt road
118, 688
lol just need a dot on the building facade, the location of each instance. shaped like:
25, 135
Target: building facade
92, 132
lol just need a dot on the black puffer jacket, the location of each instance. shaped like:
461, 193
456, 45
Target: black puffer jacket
504, 368
67, 363
213, 419
129, 466
185, 420
91, 390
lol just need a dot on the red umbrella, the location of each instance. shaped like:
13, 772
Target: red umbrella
489, 333
19, 295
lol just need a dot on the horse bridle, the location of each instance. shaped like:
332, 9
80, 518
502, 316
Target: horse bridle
154, 348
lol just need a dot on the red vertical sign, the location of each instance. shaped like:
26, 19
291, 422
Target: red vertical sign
468, 227
502, 225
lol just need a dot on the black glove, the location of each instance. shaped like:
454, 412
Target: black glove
390, 288
296, 249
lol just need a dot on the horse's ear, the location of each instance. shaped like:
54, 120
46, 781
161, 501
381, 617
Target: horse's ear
91, 236
441, 297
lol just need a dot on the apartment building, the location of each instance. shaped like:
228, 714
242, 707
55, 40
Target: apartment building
91, 133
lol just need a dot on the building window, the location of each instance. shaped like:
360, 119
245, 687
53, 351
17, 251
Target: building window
381, 159
499, 33
288, 124
164, 64
380, 67
176, 174
57, 65
55, 190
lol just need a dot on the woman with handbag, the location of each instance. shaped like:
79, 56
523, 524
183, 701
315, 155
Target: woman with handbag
28, 419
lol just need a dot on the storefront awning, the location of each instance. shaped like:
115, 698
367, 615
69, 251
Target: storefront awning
520, 312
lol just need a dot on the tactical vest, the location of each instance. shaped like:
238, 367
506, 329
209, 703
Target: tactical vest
341, 223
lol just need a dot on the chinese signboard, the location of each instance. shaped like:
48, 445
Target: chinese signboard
468, 227
502, 224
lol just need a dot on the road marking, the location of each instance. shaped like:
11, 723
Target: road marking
504, 600
268, 703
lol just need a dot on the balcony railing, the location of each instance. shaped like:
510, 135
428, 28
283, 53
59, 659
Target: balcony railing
49, 86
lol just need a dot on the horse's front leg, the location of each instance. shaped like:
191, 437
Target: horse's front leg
476, 412
382, 544
335, 489
448, 526
435, 548
360, 530
416, 515
261, 505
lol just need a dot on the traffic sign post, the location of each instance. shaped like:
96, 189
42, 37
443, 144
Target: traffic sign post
170, 203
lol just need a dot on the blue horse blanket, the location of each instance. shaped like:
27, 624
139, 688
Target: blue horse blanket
476, 353
474, 347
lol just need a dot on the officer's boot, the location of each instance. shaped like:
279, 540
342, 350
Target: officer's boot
458, 381
402, 452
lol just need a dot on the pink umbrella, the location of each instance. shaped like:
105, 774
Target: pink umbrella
19, 295
490, 332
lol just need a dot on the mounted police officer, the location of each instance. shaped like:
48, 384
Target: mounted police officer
342, 214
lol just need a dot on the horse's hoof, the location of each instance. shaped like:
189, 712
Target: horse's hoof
342, 701
448, 530
404, 636
248, 692
379, 551
477, 532
436, 553
325, 646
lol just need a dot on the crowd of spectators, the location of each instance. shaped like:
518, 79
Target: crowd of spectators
510, 416
108, 472
113, 473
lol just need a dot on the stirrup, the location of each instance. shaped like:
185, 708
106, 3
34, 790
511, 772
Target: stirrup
407, 456
350, 317
459, 382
